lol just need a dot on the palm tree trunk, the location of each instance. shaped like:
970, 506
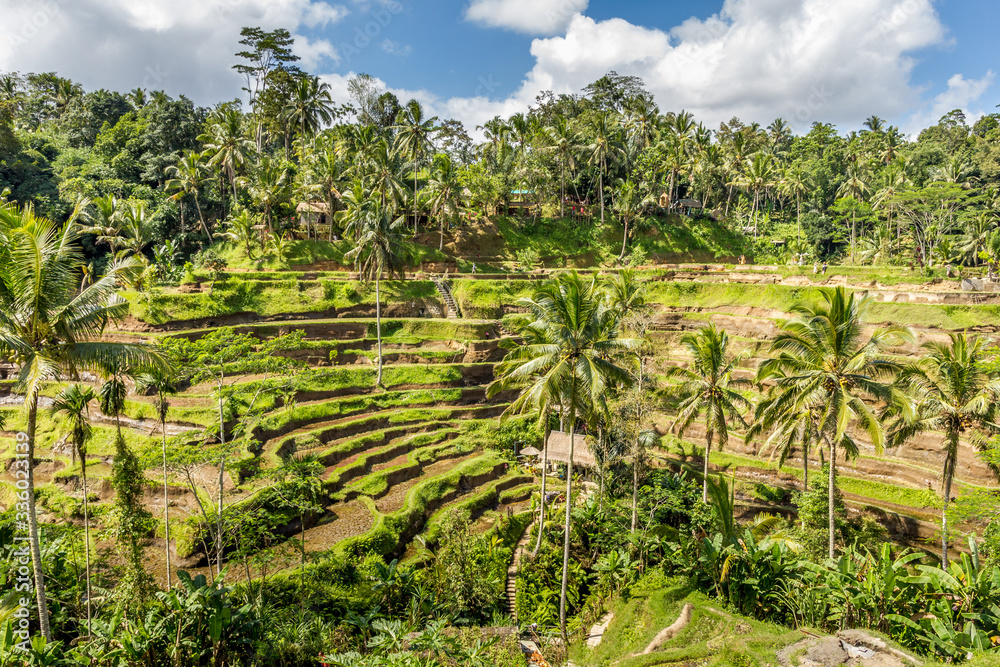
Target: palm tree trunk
562, 196
202, 218
222, 472
441, 242
36, 551
708, 452
624, 240
86, 536
600, 191
415, 195
545, 466
166, 512
832, 496
949, 476
569, 513
635, 489
378, 330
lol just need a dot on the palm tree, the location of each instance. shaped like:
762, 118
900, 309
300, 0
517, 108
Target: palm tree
709, 388
605, 147
627, 204
50, 325
163, 381
379, 249
446, 189
226, 143
186, 178
384, 175
794, 183
948, 392
414, 139
326, 175
509, 375
758, 179
821, 359
565, 142
853, 187
104, 215
270, 186
310, 107
74, 402
574, 366
136, 230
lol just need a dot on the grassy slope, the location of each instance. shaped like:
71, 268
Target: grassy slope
713, 638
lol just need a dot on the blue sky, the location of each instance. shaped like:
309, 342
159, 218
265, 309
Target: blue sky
804, 60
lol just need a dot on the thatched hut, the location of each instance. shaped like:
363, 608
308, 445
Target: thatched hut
558, 452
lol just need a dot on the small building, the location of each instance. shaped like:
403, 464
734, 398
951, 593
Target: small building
558, 452
689, 206
314, 215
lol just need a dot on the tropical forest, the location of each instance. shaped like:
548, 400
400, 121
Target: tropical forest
299, 381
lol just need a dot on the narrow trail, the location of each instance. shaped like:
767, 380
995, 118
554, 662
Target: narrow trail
515, 565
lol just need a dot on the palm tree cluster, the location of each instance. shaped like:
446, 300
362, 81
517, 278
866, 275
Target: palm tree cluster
576, 355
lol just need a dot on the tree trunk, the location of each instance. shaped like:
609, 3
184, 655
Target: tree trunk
562, 197
222, 472
635, 489
545, 465
832, 496
624, 240
708, 452
86, 536
36, 551
378, 330
202, 218
600, 193
441, 242
166, 511
569, 513
415, 211
948, 477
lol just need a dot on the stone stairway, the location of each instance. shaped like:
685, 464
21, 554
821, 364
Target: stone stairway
444, 290
512, 573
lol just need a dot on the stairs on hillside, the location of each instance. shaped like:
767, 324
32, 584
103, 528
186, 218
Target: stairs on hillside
512, 573
444, 290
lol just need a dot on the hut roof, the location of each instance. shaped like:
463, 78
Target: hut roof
315, 206
531, 451
690, 203
559, 449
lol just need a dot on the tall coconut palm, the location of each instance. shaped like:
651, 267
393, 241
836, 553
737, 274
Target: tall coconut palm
414, 139
823, 358
104, 218
446, 189
948, 392
270, 186
510, 375
709, 388
50, 326
310, 106
74, 403
627, 204
795, 182
163, 382
574, 366
227, 144
605, 147
379, 248
384, 170
186, 178
564, 141
854, 187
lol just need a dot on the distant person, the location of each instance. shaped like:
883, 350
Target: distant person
824, 268
947, 270
743, 260
473, 267
815, 268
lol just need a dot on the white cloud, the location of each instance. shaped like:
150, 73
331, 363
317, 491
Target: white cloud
535, 17
181, 46
395, 49
803, 60
961, 94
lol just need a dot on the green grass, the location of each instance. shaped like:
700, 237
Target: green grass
271, 297
713, 638
301, 253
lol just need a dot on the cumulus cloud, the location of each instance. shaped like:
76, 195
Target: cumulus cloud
802, 60
180, 46
396, 49
962, 94
534, 17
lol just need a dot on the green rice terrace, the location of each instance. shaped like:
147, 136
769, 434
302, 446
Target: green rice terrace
337, 385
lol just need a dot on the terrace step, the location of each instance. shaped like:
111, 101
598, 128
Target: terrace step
444, 290
515, 565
